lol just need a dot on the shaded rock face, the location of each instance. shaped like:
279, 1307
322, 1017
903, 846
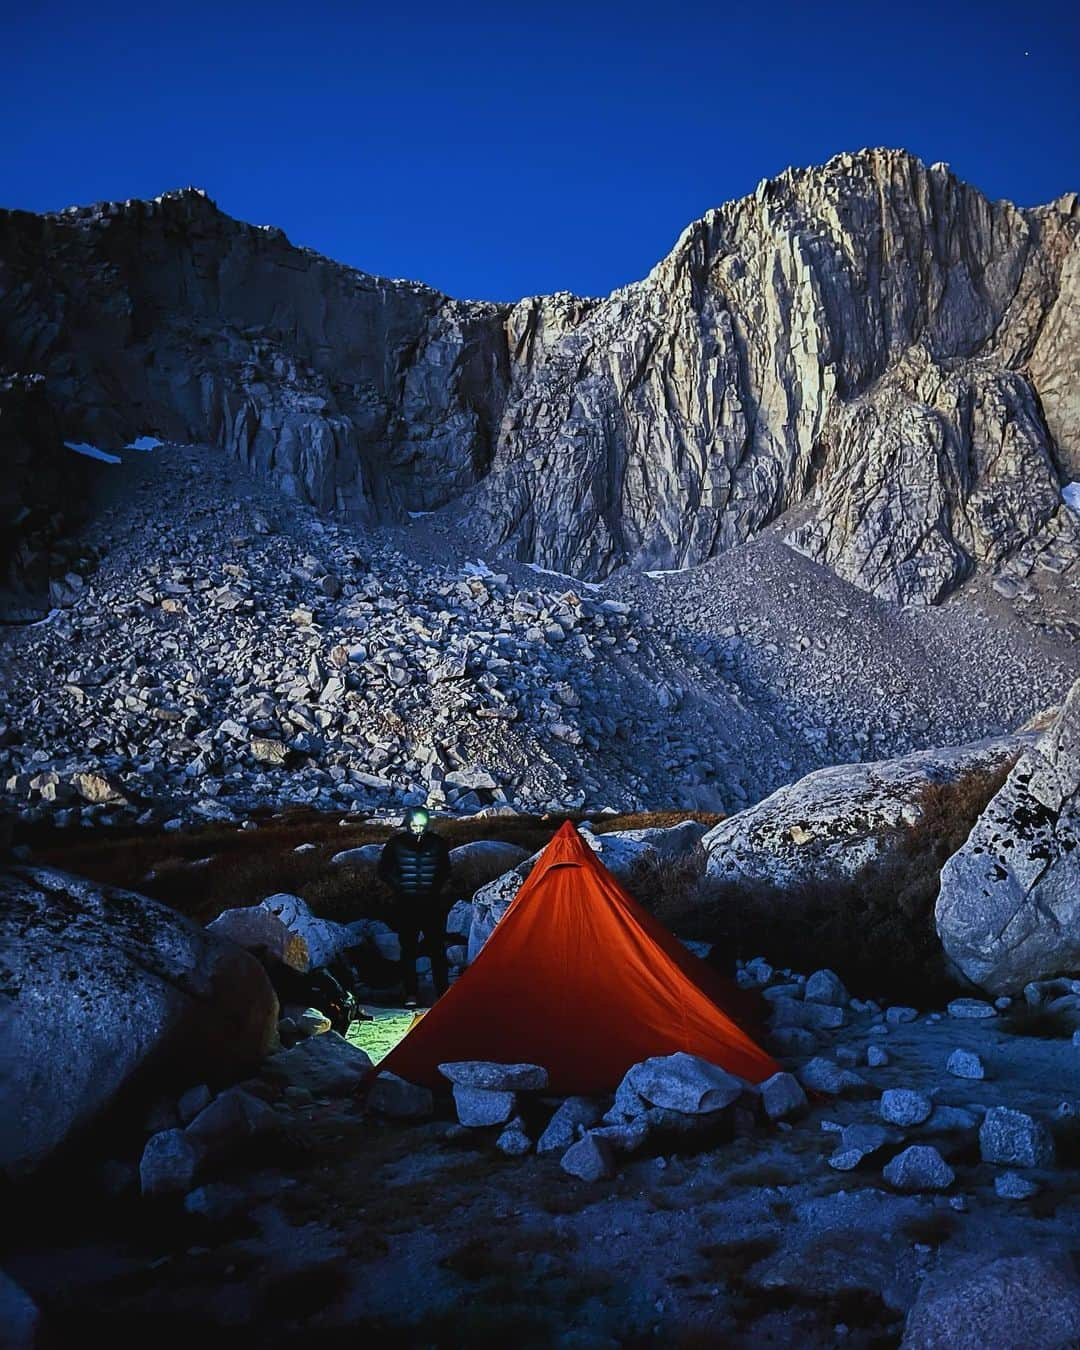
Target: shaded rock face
351, 392
871, 298
1009, 907
100, 986
43, 492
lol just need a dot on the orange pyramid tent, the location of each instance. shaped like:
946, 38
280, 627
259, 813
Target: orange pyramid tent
578, 977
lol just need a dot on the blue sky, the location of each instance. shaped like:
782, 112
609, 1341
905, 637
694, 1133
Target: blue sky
500, 151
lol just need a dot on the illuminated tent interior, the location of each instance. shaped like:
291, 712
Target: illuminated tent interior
579, 978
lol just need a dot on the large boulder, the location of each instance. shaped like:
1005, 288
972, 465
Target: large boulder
493, 855
324, 939
1011, 1303
669, 841
264, 934
618, 854
1008, 911
102, 992
367, 855
836, 822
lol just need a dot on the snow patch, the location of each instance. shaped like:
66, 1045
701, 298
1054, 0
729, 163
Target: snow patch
1070, 495
92, 452
670, 572
144, 443
415, 515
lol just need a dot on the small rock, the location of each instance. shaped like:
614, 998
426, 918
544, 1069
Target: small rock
514, 1141
822, 1075
326, 1065
898, 1014
261, 932
312, 1022
590, 1158
782, 1095
790, 1012
496, 1077
965, 1064
951, 1118
684, 1083
825, 986
230, 1119
1012, 1137
396, 1097
1012, 1186
902, 1106
919, 1168
876, 1056
792, 1040
562, 1129
215, 1201
192, 1102
971, 1008
478, 1107
170, 1164
856, 1143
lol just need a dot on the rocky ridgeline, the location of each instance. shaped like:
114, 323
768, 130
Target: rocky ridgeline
869, 304
870, 341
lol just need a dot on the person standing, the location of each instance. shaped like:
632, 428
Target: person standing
415, 864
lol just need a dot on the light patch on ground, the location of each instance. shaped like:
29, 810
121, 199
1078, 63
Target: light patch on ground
1070, 495
565, 576
386, 1028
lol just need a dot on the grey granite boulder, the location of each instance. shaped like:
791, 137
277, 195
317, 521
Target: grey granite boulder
324, 939
1015, 1139
171, 1163
1011, 1303
836, 822
782, 1095
919, 1168
392, 1096
903, 1106
590, 1159
99, 987
684, 1083
496, 1077
574, 1115
1008, 911
327, 1066
478, 1107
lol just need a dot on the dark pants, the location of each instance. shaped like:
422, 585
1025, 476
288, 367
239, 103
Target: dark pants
426, 916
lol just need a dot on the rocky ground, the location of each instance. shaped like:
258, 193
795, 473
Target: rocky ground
799, 1231
214, 648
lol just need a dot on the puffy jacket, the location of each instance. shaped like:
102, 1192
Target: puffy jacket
415, 866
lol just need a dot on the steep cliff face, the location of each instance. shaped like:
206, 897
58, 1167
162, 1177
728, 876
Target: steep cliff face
871, 341
688, 410
352, 392
936, 468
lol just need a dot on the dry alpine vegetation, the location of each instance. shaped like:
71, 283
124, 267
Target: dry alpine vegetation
761, 571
